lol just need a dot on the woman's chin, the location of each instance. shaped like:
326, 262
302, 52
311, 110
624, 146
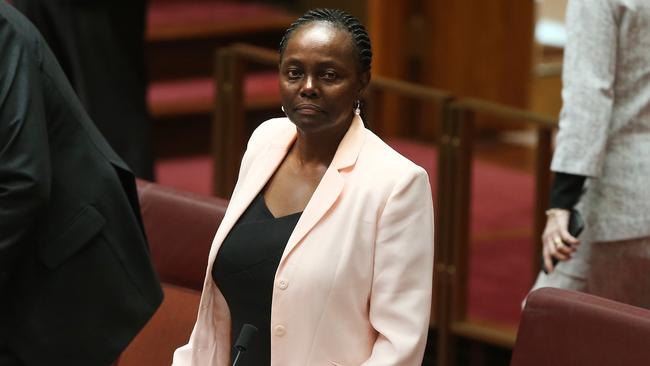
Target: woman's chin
307, 121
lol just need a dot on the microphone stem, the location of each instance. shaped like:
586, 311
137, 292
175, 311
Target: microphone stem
236, 358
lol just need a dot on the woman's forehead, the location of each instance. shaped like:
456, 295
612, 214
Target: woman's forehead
318, 32
322, 36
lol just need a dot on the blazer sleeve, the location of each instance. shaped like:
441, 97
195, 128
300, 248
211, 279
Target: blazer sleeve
588, 93
24, 151
400, 302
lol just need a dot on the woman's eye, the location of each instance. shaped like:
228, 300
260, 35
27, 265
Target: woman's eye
330, 75
294, 74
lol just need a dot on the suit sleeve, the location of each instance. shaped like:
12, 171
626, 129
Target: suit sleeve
24, 151
400, 302
588, 92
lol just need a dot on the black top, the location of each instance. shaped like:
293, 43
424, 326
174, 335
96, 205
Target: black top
566, 190
244, 270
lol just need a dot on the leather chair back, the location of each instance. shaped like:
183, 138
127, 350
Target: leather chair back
180, 227
567, 328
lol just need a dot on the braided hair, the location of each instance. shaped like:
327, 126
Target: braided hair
340, 19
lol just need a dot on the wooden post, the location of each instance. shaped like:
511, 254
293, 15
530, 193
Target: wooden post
542, 188
228, 122
444, 238
462, 142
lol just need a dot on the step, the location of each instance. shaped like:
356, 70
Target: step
180, 20
196, 96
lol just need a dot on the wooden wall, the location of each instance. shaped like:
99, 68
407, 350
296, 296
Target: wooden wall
473, 48
354, 7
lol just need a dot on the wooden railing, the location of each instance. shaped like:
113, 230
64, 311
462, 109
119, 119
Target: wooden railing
229, 124
454, 180
454, 199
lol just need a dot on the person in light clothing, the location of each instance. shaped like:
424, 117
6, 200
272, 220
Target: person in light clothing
327, 244
603, 149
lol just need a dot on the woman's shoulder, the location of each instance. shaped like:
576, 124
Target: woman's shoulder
379, 155
269, 129
381, 171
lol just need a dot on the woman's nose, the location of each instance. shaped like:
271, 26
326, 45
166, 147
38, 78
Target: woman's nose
309, 88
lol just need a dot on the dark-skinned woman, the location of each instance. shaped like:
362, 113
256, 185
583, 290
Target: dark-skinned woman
327, 244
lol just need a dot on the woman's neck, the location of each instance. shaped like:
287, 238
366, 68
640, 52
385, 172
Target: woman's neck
317, 148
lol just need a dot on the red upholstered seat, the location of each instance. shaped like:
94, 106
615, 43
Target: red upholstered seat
566, 328
169, 329
180, 227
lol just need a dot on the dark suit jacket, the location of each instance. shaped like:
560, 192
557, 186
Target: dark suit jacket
100, 47
76, 282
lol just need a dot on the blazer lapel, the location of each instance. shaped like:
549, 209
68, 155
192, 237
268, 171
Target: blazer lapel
330, 186
261, 169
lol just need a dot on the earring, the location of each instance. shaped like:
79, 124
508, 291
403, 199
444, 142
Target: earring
357, 108
282, 107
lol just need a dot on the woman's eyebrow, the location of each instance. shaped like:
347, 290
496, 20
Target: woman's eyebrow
324, 63
292, 61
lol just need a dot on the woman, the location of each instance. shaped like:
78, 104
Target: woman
327, 245
602, 155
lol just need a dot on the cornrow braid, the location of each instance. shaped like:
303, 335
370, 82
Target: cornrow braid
341, 19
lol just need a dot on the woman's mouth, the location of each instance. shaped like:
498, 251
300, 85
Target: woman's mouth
309, 109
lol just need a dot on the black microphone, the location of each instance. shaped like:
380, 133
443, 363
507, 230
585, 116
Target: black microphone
245, 335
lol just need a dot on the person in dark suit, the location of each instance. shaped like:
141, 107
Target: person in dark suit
76, 281
100, 46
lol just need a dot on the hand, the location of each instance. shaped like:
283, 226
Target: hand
556, 240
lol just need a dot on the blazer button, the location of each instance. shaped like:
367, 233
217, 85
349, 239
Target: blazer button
283, 284
279, 330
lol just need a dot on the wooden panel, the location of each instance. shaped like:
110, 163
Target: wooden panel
356, 8
471, 48
488, 333
546, 95
388, 26
480, 49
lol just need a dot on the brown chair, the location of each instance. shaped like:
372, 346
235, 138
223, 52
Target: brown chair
180, 227
563, 328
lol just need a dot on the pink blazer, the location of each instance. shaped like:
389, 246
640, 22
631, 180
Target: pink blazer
354, 284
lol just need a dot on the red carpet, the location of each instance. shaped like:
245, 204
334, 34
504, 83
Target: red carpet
501, 223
